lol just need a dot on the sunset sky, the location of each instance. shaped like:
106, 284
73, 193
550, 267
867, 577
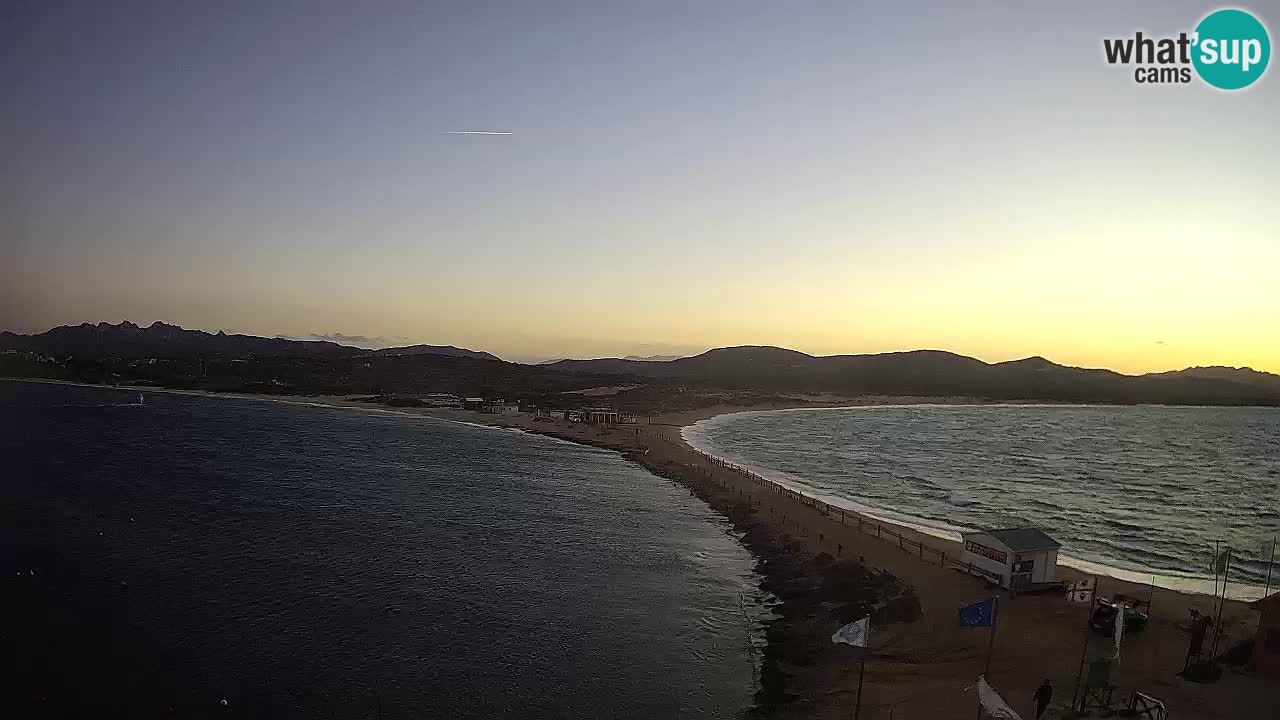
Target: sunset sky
822, 176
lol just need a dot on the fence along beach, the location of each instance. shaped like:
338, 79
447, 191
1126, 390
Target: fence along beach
1130, 492
928, 668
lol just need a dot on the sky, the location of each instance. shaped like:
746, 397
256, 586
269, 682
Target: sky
832, 177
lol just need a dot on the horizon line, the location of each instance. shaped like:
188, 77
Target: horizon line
559, 358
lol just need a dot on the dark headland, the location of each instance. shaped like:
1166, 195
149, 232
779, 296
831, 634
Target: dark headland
171, 356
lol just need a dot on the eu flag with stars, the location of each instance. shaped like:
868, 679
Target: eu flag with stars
979, 614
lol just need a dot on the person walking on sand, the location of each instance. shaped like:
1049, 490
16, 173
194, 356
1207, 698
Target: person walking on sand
1042, 697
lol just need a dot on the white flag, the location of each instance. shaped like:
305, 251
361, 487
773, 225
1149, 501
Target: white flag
855, 633
992, 704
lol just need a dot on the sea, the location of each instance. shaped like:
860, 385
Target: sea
186, 555
1143, 493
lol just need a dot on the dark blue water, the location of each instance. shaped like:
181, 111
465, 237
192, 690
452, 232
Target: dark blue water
310, 561
1129, 491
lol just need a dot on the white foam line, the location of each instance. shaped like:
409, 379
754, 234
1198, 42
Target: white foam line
695, 436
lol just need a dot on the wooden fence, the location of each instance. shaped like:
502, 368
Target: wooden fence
865, 524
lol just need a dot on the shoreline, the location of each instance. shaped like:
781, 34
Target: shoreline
921, 668
930, 664
949, 531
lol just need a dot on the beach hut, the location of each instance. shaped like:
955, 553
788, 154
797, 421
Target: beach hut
1016, 558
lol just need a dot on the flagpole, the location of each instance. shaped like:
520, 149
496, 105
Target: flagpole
857, 634
862, 671
995, 608
1217, 625
1084, 651
1270, 562
1216, 553
991, 643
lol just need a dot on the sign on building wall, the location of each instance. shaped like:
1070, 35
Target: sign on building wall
986, 552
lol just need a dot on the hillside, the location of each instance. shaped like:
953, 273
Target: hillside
128, 340
939, 373
448, 350
170, 355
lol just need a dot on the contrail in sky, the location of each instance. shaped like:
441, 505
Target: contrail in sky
477, 132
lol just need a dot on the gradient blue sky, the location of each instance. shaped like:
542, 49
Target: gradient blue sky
832, 177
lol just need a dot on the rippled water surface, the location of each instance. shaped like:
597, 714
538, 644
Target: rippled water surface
309, 561
1143, 489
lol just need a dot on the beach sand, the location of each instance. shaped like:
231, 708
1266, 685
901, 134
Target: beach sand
926, 668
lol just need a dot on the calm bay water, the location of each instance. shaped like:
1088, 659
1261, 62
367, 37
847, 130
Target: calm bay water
303, 561
1135, 490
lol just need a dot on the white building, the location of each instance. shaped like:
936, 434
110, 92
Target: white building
501, 407
600, 416
1021, 558
441, 400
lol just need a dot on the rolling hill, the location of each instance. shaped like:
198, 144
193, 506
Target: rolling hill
940, 373
171, 355
128, 340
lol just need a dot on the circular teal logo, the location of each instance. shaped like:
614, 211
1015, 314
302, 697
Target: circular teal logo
1232, 49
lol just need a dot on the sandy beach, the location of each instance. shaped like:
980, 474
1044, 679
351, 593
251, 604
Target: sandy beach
925, 668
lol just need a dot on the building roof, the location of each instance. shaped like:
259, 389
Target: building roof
1025, 539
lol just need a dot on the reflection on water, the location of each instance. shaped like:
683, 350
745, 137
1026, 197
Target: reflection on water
303, 561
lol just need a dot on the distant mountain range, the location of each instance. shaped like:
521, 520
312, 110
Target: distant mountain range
127, 340
449, 350
196, 359
939, 373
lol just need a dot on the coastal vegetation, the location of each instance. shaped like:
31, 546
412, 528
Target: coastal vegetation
170, 356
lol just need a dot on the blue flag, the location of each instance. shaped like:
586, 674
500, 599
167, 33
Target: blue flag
979, 614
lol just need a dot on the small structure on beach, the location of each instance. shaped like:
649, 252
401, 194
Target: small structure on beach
1266, 645
600, 416
607, 416
498, 406
1015, 558
443, 400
